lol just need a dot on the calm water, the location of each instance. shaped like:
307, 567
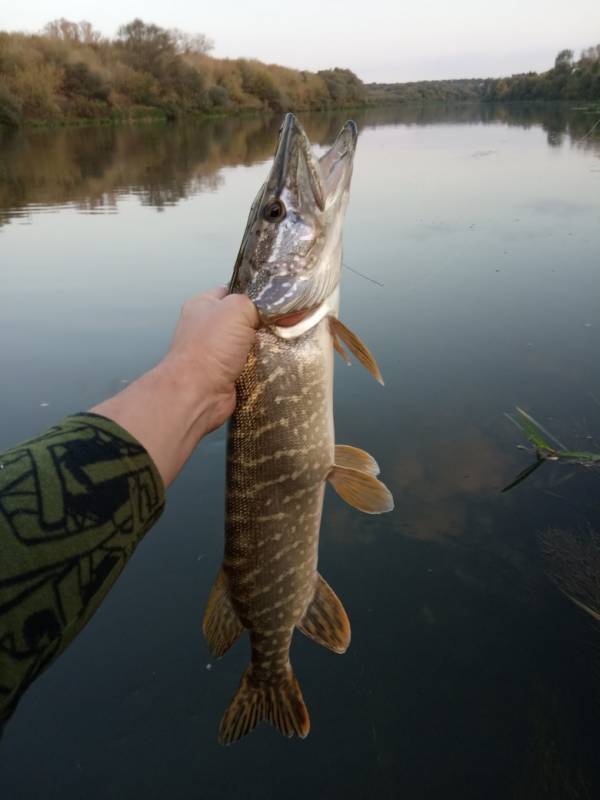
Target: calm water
470, 675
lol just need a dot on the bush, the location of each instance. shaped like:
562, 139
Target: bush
37, 86
344, 87
256, 80
87, 108
218, 96
10, 108
138, 87
80, 80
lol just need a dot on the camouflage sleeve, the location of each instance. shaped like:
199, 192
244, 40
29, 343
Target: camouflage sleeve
74, 503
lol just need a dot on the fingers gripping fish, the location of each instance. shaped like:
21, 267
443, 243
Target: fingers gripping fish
281, 449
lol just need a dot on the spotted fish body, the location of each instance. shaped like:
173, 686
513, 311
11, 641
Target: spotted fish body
281, 452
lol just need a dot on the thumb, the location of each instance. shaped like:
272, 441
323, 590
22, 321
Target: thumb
243, 308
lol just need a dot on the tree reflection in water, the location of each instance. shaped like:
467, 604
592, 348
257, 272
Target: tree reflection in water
91, 168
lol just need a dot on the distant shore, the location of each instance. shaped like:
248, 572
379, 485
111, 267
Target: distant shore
70, 75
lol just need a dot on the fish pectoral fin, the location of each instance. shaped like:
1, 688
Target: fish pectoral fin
355, 345
221, 625
325, 620
355, 458
361, 490
279, 702
341, 351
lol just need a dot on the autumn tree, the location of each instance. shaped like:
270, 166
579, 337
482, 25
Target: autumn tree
81, 32
145, 45
185, 43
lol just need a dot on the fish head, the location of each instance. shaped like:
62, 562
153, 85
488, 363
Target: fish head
290, 258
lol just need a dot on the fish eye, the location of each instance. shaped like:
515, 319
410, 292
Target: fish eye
274, 211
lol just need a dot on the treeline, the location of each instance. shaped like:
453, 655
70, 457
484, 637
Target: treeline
567, 80
69, 71
419, 92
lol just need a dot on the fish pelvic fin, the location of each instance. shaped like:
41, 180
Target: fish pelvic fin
326, 621
221, 625
355, 345
355, 458
279, 702
361, 489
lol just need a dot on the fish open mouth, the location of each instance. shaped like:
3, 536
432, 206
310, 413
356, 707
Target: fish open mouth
288, 320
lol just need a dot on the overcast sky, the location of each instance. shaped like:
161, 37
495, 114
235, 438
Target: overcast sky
381, 40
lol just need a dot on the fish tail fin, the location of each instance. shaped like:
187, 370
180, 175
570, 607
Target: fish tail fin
279, 702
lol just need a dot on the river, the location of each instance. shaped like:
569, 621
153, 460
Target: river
472, 253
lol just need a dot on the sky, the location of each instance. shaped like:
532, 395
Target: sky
380, 40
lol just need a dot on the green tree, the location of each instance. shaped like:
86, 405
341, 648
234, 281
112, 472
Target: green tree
564, 60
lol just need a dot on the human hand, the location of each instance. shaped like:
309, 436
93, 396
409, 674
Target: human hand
211, 343
192, 390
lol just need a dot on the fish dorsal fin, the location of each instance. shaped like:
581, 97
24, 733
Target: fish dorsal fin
325, 620
355, 458
221, 625
356, 347
361, 490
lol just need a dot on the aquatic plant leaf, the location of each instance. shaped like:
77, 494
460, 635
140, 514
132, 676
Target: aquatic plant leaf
583, 457
535, 432
524, 474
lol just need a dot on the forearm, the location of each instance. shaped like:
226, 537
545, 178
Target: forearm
192, 390
74, 503
168, 412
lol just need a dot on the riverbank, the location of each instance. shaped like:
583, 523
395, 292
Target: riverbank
70, 75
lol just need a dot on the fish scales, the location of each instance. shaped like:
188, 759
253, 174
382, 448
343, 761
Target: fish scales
281, 449
280, 452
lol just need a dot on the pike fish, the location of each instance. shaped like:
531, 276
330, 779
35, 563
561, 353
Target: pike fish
281, 447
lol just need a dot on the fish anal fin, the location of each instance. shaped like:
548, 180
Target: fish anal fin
356, 347
361, 490
221, 625
279, 702
355, 458
326, 621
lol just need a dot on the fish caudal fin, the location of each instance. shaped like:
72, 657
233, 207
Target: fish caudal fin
280, 703
325, 620
221, 625
355, 345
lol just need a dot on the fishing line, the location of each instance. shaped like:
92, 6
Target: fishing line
589, 133
362, 275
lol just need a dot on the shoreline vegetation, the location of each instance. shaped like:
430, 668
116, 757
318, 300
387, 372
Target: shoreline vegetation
70, 74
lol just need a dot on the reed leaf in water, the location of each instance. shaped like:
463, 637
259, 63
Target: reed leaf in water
540, 439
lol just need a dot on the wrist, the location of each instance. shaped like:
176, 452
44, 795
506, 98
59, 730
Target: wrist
178, 391
166, 411
203, 403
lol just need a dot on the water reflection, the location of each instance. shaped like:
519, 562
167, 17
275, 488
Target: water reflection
89, 169
436, 480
